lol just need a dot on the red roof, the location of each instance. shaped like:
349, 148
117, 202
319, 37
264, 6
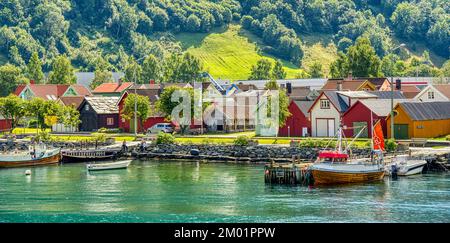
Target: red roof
81, 90
19, 89
51, 91
112, 87
444, 89
410, 91
46, 91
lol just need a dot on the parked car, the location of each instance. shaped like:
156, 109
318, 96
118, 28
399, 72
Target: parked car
160, 127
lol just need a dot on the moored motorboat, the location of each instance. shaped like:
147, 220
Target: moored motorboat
337, 167
122, 164
40, 156
404, 165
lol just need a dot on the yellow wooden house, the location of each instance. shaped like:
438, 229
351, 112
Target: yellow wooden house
420, 120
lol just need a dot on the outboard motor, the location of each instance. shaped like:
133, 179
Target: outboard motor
394, 171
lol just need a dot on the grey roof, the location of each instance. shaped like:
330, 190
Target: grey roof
103, 104
337, 101
304, 106
387, 94
357, 94
381, 107
314, 83
85, 78
420, 111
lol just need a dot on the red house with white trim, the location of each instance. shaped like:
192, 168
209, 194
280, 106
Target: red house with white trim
299, 123
358, 116
152, 94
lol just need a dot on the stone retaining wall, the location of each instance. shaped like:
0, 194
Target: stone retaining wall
254, 153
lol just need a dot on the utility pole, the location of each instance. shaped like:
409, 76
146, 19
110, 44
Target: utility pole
392, 96
135, 96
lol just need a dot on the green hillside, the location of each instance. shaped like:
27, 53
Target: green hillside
227, 54
228, 36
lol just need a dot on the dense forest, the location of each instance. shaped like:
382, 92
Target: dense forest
116, 35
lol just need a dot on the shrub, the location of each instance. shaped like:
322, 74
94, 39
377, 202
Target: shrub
100, 138
32, 123
319, 143
43, 136
165, 138
109, 130
242, 140
391, 145
447, 137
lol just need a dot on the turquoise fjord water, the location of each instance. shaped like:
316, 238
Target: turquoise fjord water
151, 191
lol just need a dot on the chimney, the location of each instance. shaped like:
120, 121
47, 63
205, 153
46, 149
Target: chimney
339, 85
350, 75
32, 81
152, 81
398, 84
289, 88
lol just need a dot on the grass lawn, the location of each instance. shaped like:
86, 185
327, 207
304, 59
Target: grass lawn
218, 139
443, 138
21, 130
228, 54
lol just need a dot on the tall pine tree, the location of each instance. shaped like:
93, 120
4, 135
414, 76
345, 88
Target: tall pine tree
278, 71
34, 69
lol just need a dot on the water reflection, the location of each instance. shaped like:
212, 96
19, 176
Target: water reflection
152, 191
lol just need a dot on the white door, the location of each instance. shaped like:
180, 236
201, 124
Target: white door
330, 127
304, 131
322, 128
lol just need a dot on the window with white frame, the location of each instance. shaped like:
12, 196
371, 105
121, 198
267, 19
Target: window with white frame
109, 121
431, 95
324, 104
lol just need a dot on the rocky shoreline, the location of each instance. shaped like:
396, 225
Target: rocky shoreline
232, 153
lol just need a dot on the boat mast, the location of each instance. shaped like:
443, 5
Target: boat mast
339, 144
371, 131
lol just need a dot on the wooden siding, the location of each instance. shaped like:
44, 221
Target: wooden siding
360, 113
295, 122
419, 129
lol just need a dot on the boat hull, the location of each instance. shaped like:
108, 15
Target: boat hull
108, 166
53, 159
411, 169
74, 156
331, 177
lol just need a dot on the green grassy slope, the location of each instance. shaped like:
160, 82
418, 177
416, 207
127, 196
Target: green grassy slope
226, 54
229, 52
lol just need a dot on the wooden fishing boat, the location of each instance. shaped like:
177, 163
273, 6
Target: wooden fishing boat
346, 173
80, 155
123, 164
336, 166
30, 158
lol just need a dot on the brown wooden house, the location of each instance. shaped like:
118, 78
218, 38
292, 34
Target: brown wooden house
99, 111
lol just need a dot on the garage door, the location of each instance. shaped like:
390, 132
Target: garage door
401, 131
322, 128
357, 126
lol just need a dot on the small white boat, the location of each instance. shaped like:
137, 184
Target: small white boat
122, 164
406, 165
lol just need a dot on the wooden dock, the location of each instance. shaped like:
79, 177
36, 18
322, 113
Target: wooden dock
290, 174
